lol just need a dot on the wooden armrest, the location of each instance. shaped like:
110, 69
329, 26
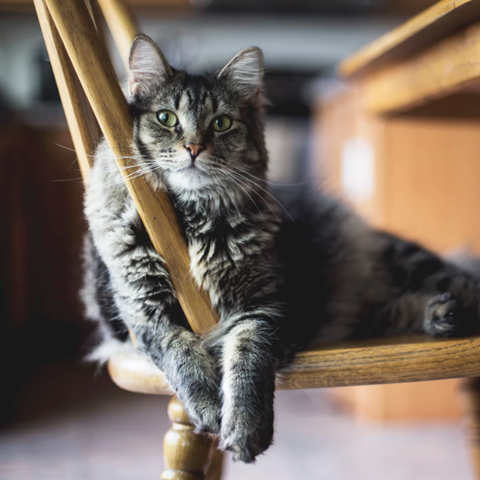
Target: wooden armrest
402, 359
424, 29
430, 57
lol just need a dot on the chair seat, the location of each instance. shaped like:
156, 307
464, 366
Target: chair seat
392, 360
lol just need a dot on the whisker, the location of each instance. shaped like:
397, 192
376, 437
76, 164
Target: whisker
263, 190
131, 157
136, 165
261, 198
138, 173
66, 180
269, 182
243, 186
228, 192
237, 182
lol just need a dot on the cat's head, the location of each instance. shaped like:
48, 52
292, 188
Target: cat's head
201, 132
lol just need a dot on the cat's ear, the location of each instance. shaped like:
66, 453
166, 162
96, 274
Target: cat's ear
245, 72
147, 66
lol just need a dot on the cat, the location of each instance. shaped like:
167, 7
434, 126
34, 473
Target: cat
281, 267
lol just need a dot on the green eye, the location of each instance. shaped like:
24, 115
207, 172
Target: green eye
222, 123
167, 118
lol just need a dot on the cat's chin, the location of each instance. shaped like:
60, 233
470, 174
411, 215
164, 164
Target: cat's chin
189, 180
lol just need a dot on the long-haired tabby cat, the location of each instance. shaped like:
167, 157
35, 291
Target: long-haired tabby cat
277, 280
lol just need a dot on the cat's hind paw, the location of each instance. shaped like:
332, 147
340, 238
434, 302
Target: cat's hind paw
443, 316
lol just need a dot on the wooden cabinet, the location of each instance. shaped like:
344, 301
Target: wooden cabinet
418, 177
42, 227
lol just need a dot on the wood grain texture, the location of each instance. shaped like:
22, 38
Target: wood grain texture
121, 26
425, 172
137, 373
339, 121
98, 20
81, 121
445, 67
426, 159
25, 5
186, 452
98, 79
411, 359
424, 29
215, 463
426, 175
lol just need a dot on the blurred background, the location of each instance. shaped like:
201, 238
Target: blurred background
62, 419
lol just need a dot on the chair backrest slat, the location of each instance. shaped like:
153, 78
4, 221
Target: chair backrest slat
93, 67
80, 118
121, 26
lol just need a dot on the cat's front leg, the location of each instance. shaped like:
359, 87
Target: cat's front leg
147, 304
192, 372
248, 386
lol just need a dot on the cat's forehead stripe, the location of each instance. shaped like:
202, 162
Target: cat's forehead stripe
189, 96
194, 99
214, 104
176, 100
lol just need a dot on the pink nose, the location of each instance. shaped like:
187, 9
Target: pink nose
195, 149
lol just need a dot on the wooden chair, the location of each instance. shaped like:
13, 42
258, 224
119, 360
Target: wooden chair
90, 93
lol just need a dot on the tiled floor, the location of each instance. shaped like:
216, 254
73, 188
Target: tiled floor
98, 432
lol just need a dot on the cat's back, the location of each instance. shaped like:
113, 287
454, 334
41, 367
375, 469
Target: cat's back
331, 259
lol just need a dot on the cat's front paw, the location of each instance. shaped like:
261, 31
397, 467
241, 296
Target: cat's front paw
204, 411
247, 433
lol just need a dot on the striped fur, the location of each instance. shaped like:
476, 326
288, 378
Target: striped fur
277, 280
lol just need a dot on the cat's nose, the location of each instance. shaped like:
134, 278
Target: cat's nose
195, 149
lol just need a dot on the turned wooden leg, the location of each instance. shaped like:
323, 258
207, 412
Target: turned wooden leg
186, 453
215, 464
472, 415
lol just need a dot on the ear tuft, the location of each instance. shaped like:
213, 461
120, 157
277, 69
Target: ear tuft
245, 71
147, 66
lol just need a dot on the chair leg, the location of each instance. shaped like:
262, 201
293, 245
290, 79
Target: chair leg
215, 465
472, 410
186, 452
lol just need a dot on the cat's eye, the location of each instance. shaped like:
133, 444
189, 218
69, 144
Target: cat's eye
222, 123
167, 118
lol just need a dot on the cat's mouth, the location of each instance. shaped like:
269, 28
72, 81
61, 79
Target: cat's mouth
190, 177
195, 167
